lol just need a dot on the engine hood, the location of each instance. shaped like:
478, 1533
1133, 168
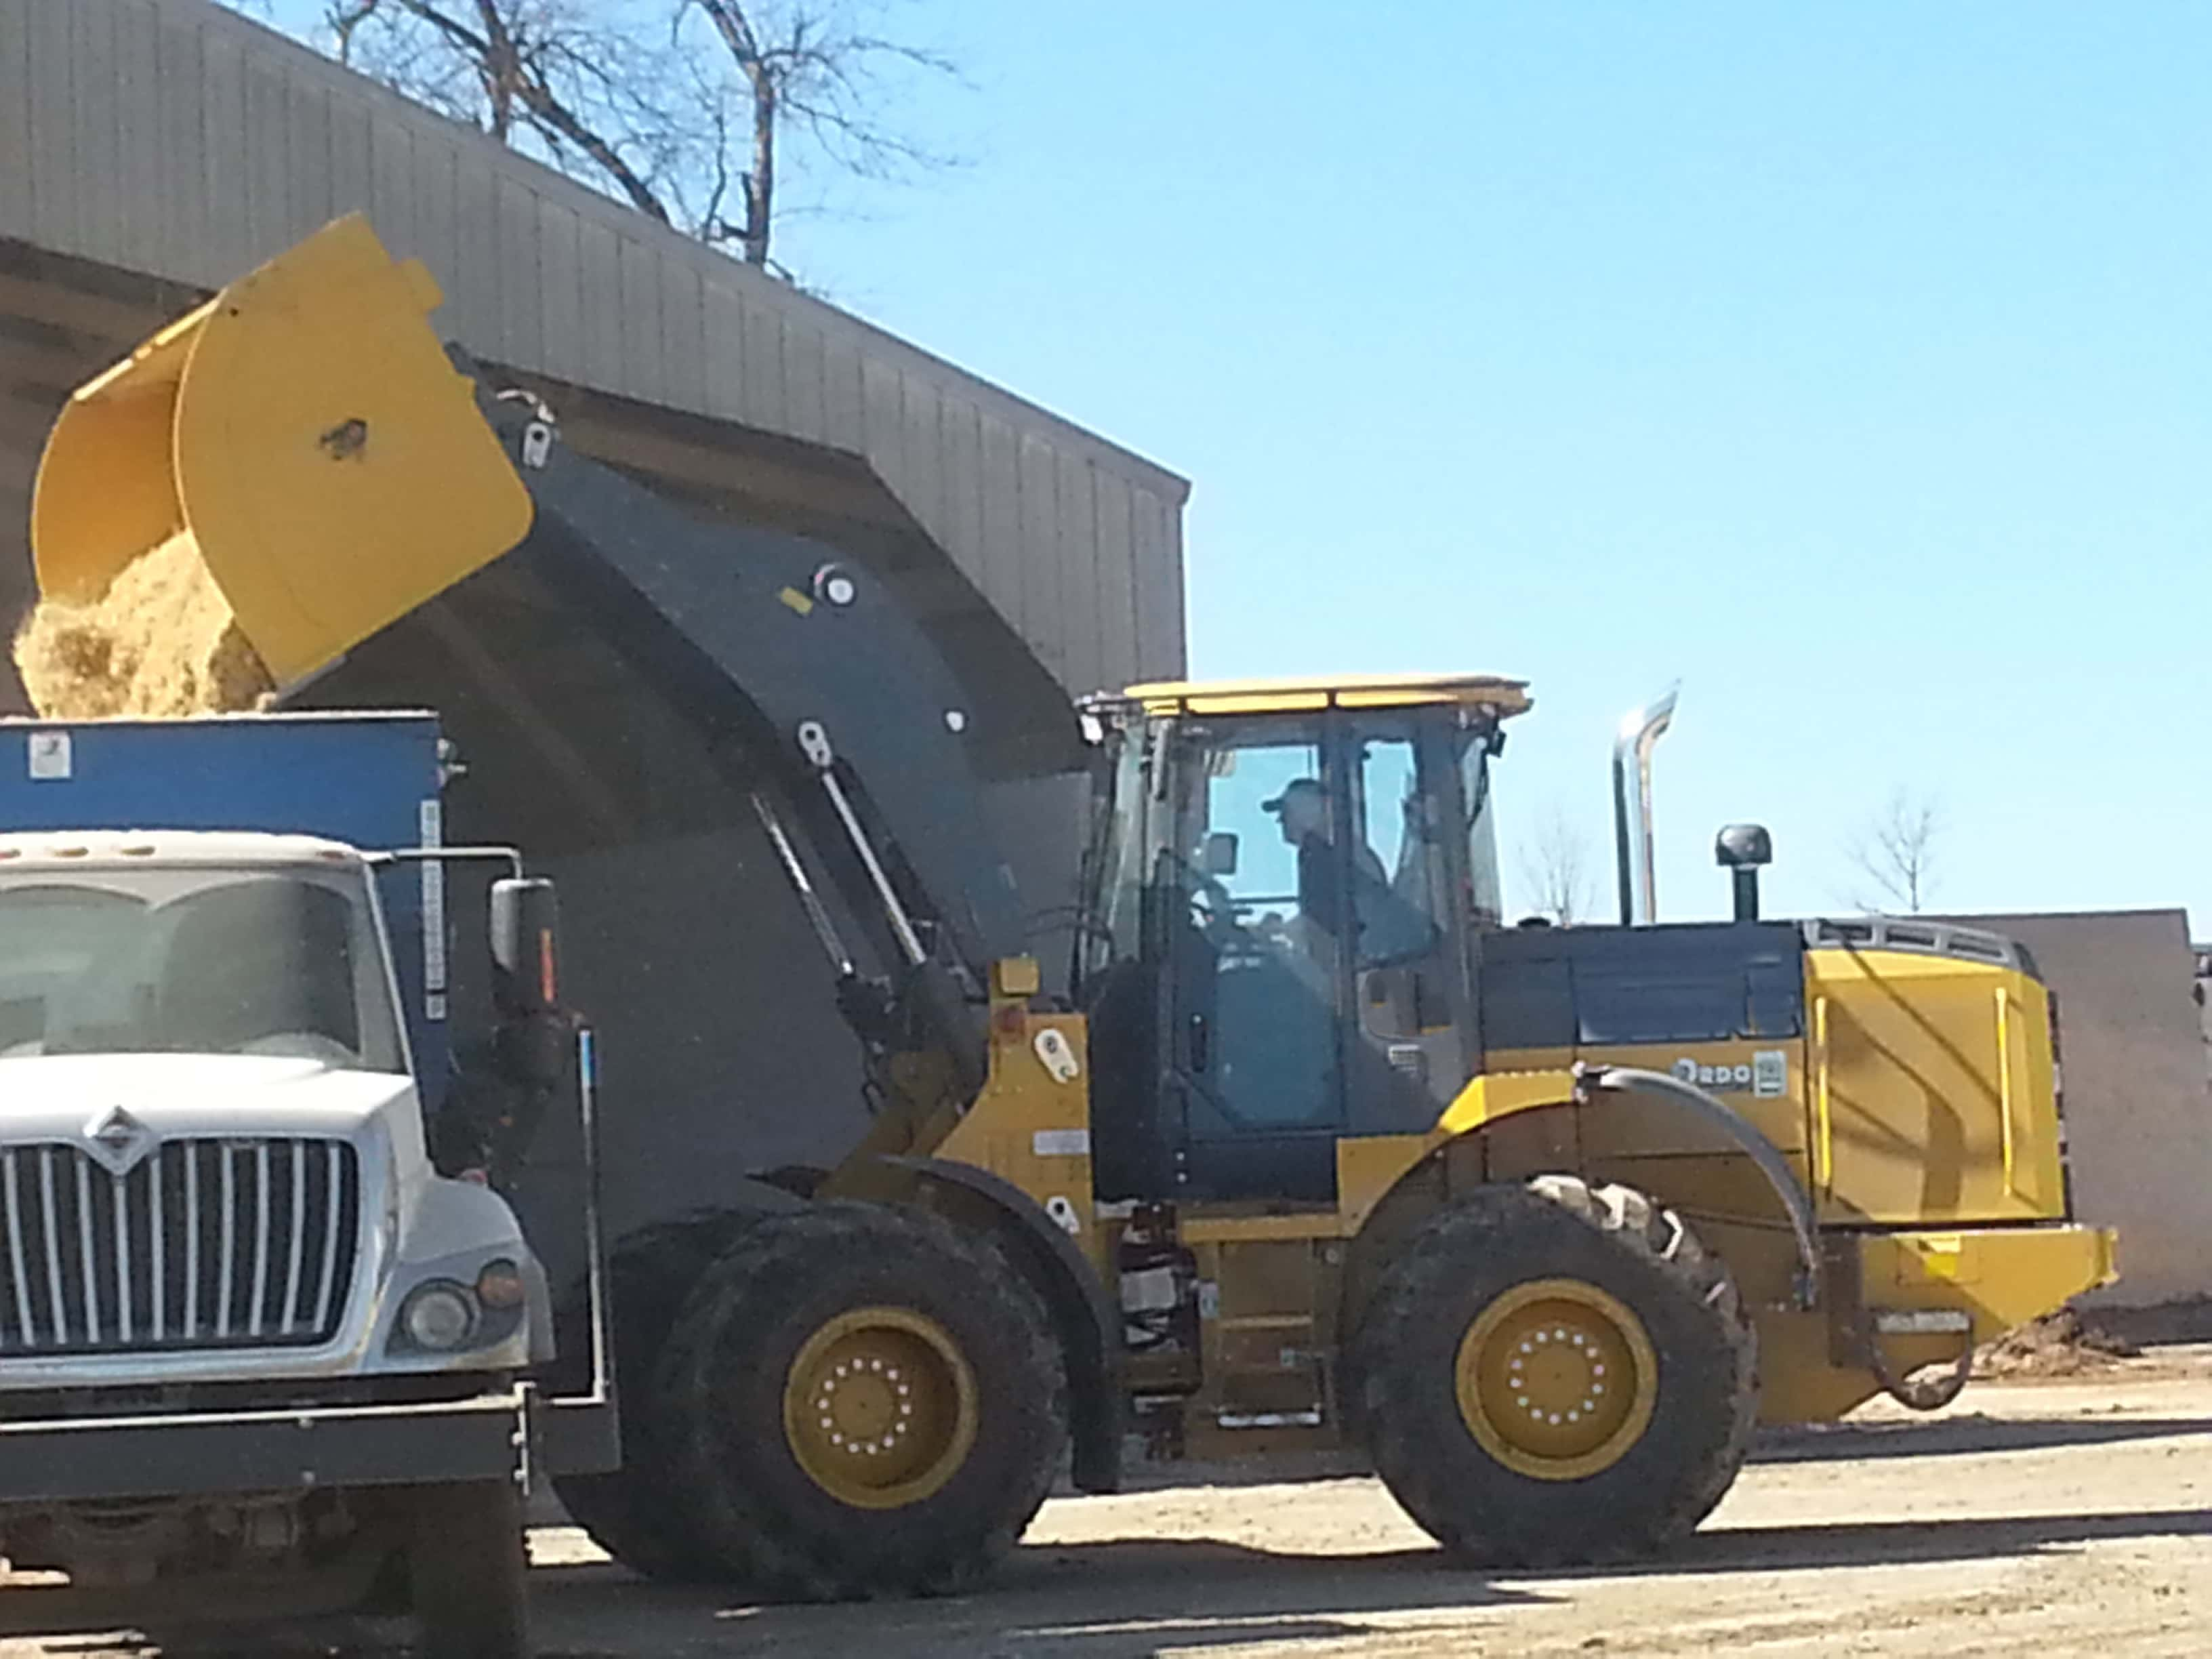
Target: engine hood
63, 1096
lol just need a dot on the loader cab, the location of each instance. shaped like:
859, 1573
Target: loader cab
1284, 885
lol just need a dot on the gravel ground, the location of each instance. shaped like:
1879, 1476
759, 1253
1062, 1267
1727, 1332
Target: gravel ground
2047, 1518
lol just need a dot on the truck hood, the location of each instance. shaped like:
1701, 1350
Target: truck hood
52, 1098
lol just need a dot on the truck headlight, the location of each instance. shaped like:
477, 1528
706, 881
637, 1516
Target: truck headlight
440, 1316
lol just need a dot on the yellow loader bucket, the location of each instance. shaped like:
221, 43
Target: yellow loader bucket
307, 427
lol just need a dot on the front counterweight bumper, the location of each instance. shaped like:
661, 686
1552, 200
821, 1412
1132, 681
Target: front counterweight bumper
1927, 1298
2001, 1277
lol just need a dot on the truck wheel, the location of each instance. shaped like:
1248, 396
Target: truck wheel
869, 1403
636, 1513
1555, 1374
466, 1571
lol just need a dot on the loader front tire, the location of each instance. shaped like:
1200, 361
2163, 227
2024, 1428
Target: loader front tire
1555, 1374
636, 1513
866, 1402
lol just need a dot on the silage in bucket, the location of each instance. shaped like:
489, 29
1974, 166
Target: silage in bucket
159, 642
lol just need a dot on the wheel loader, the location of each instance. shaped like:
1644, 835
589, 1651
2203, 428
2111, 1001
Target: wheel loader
1315, 1153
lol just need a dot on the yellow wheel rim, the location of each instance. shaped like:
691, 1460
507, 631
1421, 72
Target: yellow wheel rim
880, 1407
1557, 1379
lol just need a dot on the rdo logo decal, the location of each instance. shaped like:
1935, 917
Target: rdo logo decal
1767, 1074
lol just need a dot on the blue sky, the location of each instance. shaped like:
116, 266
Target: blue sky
1850, 364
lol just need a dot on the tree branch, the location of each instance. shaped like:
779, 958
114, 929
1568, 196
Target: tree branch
689, 110
1896, 851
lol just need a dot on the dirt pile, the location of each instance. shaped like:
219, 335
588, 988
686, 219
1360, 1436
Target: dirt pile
2061, 1344
159, 643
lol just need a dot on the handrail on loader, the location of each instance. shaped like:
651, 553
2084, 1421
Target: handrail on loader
307, 427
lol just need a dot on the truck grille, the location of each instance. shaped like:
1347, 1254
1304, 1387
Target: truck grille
231, 1243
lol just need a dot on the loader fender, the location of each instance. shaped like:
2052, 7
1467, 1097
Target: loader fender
1493, 1098
1087, 1323
1765, 1156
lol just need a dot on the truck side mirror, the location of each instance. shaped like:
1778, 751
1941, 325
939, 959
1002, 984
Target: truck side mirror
526, 945
1218, 856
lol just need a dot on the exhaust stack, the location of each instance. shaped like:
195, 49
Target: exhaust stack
1635, 861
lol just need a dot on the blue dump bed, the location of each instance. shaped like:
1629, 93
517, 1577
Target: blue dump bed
369, 780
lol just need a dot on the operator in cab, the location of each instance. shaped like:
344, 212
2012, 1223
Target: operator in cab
1351, 906
1325, 915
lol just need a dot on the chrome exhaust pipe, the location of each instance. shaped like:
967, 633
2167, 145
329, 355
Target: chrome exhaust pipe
1637, 864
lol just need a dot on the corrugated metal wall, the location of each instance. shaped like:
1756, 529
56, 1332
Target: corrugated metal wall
174, 139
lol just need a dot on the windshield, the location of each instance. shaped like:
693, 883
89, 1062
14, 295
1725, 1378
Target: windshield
195, 960
1247, 796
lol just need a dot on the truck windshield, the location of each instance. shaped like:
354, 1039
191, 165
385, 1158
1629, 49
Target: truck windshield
202, 961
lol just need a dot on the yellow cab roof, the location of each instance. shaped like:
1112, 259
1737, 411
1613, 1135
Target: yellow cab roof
1501, 698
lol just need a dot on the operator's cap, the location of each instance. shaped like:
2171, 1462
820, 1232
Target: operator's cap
1296, 787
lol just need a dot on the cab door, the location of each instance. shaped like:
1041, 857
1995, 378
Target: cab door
1407, 1038
1256, 993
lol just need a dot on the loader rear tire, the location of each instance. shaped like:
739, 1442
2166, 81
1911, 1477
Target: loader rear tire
636, 1513
868, 1403
1555, 1374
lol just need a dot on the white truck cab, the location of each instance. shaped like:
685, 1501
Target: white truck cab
246, 1324
212, 1146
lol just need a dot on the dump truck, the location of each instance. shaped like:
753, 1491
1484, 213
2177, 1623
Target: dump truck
1309, 1150
274, 1339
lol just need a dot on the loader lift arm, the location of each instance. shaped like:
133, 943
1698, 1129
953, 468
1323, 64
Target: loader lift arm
818, 671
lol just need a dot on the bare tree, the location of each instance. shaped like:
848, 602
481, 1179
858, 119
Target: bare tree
1895, 851
693, 112
815, 68
1555, 870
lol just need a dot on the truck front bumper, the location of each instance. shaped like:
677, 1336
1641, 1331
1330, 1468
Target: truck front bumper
486, 1437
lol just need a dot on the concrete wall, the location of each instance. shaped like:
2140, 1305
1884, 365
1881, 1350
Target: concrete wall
2138, 1104
2204, 999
